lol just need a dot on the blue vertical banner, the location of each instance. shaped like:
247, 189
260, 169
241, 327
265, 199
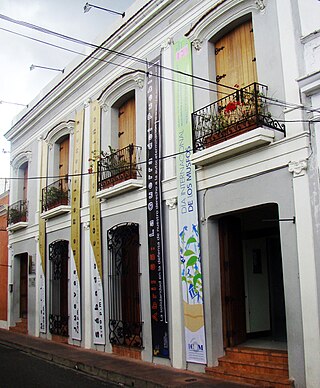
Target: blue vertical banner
160, 343
189, 239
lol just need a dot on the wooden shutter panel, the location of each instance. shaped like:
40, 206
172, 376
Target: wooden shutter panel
127, 123
64, 157
235, 58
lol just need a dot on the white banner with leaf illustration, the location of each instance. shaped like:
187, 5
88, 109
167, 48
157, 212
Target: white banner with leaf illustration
190, 255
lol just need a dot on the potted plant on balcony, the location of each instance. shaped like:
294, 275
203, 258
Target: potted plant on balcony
117, 166
240, 114
56, 196
16, 215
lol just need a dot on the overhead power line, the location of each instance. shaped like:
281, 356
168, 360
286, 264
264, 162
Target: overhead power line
134, 58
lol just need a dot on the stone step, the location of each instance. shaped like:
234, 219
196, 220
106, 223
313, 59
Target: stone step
256, 367
254, 354
20, 327
252, 379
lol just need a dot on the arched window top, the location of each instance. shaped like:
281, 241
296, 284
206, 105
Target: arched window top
123, 85
218, 18
21, 159
59, 132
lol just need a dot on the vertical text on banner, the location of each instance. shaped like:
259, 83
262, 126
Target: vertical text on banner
95, 233
189, 239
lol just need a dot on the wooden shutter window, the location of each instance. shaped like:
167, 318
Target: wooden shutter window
235, 58
127, 124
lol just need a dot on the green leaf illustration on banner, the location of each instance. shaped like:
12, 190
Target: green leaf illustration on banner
192, 261
191, 240
188, 252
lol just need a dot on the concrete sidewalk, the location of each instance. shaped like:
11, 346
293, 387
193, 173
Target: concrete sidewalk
114, 368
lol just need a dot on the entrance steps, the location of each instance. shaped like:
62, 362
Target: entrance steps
252, 366
20, 327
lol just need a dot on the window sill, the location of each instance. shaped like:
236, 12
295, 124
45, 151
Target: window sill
56, 211
17, 226
120, 188
237, 145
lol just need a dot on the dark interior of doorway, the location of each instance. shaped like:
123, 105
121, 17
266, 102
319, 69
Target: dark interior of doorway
23, 285
252, 289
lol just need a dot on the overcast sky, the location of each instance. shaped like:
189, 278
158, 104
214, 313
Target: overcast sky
20, 85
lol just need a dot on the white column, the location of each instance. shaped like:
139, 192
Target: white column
85, 233
86, 287
289, 57
10, 281
168, 123
178, 356
307, 272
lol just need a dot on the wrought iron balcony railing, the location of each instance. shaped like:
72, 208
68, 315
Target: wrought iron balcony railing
237, 113
58, 324
18, 212
119, 166
56, 194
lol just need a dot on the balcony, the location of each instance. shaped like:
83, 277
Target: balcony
18, 215
234, 124
55, 198
119, 171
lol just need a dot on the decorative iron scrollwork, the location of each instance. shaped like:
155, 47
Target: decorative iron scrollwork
218, 49
125, 326
58, 325
219, 77
58, 251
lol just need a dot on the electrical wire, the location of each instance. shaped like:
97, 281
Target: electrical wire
140, 60
175, 154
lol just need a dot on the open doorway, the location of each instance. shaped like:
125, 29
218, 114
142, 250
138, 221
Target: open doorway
23, 285
251, 278
58, 317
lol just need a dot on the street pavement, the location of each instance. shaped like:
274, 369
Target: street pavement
22, 370
110, 368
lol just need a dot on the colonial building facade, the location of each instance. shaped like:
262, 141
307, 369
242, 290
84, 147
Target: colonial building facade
168, 195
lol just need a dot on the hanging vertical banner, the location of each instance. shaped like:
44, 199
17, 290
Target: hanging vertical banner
75, 228
42, 243
189, 241
95, 235
159, 322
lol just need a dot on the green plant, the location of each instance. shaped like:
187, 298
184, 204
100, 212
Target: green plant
56, 195
16, 215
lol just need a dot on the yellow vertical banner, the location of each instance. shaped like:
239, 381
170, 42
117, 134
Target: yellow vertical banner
75, 227
42, 241
95, 232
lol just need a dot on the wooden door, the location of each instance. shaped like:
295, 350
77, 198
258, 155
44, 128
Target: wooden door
232, 281
24, 286
235, 59
64, 157
127, 124
25, 183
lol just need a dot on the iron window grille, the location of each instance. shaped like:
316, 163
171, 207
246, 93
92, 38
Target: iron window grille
58, 317
125, 326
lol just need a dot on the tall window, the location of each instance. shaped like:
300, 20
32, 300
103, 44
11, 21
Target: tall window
64, 157
235, 58
58, 317
127, 123
125, 326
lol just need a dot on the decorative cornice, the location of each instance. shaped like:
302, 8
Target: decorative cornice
87, 103
21, 158
172, 203
298, 168
197, 44
167, 43
260, 4
139, 79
